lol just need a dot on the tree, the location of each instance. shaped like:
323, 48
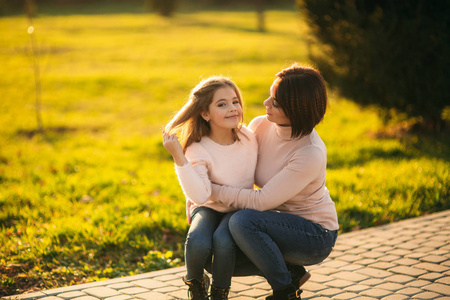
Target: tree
394, 54
165, 8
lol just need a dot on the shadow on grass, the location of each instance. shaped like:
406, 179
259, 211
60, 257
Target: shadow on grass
413, 146
53, 132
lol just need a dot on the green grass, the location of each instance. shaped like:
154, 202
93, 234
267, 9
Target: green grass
96, 197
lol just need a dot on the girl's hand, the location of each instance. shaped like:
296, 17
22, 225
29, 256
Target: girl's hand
173, 146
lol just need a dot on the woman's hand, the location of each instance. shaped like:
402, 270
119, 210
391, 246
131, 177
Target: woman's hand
173, 146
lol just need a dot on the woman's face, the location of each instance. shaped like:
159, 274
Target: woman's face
274, 112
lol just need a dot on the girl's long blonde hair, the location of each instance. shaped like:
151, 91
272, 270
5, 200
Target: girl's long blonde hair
188, 123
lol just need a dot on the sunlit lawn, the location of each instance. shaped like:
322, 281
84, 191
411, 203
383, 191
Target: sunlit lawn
96, 197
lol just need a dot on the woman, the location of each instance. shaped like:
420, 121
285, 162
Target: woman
291, 221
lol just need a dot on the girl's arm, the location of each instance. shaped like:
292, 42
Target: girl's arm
193, 177
303, 169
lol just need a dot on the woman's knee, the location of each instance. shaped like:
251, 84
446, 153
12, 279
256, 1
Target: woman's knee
240, 220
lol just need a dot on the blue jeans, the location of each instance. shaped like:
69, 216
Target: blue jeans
272, 241
208, 231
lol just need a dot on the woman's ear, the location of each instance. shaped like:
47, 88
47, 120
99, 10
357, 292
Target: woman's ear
205, 116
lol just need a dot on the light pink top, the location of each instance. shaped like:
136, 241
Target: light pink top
232, 165
291, 174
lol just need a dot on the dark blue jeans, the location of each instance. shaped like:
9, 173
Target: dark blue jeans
273, 240
208, 231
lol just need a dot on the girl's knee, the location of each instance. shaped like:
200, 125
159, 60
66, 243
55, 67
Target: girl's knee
223, 240
198, 243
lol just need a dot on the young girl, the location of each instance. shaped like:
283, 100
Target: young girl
209, 144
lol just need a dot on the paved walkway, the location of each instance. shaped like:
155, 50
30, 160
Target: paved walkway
405, 260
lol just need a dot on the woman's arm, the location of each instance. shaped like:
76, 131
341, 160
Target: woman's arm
193, 176
292, 179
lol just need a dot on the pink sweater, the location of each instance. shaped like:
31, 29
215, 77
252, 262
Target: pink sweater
232, 165
291, 174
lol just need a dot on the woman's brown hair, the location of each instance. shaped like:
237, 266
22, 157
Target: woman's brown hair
302, 95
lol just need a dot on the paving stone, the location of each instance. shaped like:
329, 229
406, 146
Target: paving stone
410, 291
122, 285
442, 289
408, 246
153, 296
350, 258
339, 283
418, 283
432, 267
384, 249
151, 283
121, 297
166, 289
407, 262
330, 292
262, 285
352, 276
417, 255
395, 297
445, 280
372, 282
335, 264
376, 293
408, 271
352, 267
50, 298
254, 293
86, 298
326, 271
357, 288
178, 294
101, 292
69, 295
175, 282
354, 251
134, 290
239, 287
366, 261
431, 276
426, 295
320, 278
167, 277
313, 287
389, 258
345, 296
390, 286
376, 273
248, 280
400, 278
372, 254
400, 252
382, 265
369, 246
435, 244
436, 259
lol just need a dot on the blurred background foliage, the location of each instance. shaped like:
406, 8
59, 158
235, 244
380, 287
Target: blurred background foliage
93, 195
390, 53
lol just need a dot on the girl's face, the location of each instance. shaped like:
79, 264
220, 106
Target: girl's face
274, 112
225, 110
